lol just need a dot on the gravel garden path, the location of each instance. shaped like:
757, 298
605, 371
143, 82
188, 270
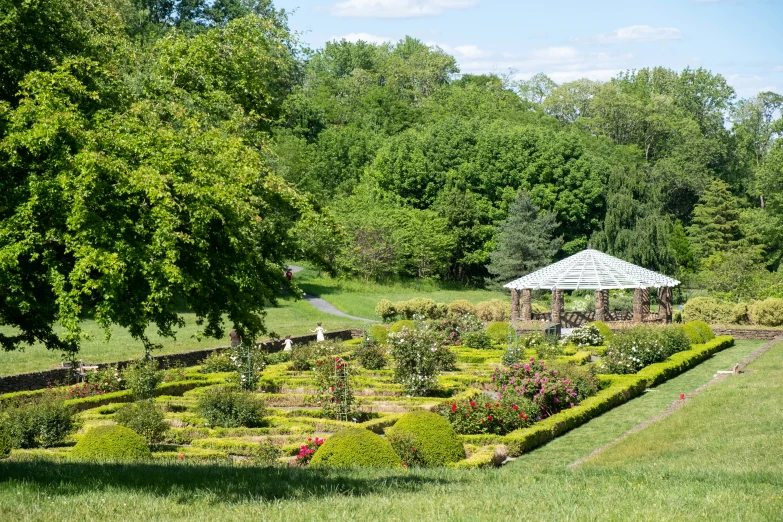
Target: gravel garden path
325, 306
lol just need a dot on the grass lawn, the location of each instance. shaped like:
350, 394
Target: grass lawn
290, 318
716, 458
359, 298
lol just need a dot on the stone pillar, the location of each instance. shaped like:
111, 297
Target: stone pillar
665, 303
514, 305
557, 305
641, 304
601, 305
527, 304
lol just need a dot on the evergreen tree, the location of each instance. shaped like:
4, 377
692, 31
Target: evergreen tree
525, 240
716, 221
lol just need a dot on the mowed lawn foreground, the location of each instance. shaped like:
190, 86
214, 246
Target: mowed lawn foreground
719, 457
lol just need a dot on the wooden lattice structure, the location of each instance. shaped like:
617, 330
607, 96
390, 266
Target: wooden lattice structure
593, 270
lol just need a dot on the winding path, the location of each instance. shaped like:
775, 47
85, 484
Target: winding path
325, 306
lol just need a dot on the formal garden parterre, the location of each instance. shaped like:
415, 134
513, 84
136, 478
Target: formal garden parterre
443, 388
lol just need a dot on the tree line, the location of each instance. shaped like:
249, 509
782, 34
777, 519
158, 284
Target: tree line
160, 154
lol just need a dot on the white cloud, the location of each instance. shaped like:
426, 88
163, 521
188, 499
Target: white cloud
365, 37
471, 51
640, 33
397, 8
555, 54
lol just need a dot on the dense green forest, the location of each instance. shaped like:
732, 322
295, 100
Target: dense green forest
161, 154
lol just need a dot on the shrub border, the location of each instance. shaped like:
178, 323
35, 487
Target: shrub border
622, 388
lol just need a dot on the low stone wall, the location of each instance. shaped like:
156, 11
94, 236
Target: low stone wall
747, 333
38, 380
574, 319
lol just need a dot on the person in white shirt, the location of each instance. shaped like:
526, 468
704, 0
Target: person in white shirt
319, 333
289, 344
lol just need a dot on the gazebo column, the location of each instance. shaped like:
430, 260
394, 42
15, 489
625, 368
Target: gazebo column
557, 305
601, 305
641, 304
527, 304
665, 303
514, 305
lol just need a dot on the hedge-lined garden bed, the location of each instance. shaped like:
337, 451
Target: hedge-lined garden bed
318, 390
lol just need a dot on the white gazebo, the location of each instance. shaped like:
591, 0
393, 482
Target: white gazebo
593, 270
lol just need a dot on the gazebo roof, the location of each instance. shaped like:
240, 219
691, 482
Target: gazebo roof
591, 269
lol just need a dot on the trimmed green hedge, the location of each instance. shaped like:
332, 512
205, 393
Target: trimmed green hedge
5, 444
399, 325
356, 447
435, 440
498, 332
381, 423
111, 443
481, 458
621, 389
604, 330
698, 332
167, 388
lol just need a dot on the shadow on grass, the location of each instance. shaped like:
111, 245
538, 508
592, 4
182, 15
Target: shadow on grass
223, 483
319, 290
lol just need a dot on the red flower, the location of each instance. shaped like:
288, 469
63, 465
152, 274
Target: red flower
332, 388
453, 407
472, 404
515, 407
489, 417
319, 363
682, 396
180, 457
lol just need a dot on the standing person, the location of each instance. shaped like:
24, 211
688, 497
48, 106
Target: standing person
289, 274
236, 340
289, 344
319, 333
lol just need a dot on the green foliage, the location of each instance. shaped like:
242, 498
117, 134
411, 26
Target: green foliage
111, 443
385, 310
462, 307
230, 407
478, 340
587, 335
333, 382
692, 333
108, 379
400, 325
547, 346
433, 438
525, 240
249, 361
581, 378
372, 355
710, 310
268, 455
378, 333
501, 416
498, 332
494, 310
715, 221
603, 329
42, 421
416, 360
768, 312
5, 444
705, 332
634, 348
145, 418
355, 447
142, 378
217, 362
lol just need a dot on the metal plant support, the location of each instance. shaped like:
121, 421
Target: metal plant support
513, 354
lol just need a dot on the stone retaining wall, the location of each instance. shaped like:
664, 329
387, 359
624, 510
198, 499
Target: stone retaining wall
747, 333
574, 319
38, 380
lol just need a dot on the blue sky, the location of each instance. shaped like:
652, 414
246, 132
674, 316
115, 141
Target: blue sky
569, 39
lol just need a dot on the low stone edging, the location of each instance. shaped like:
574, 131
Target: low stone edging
747, 333
42, 379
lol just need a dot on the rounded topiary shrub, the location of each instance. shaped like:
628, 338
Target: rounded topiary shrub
399, 325
5, 444
111, 443
693, 334
498, 332
462, 307
356, 447
378, 333
478, 340
768, 312
435, 441
604, 330
705, 332
385, 310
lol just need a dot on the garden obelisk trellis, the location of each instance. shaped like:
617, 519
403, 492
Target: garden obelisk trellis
593, 270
